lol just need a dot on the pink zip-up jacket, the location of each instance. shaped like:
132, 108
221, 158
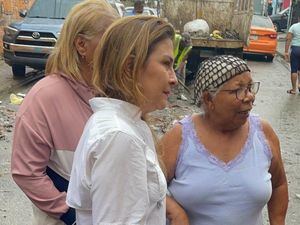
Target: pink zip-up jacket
48, 126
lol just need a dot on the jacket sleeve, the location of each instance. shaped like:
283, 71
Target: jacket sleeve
119, 182
30, 155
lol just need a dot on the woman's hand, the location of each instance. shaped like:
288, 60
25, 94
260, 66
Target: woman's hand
175, 213
286, 57
179, 219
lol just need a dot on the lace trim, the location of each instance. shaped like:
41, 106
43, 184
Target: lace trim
184, 137
262, 137
201, 148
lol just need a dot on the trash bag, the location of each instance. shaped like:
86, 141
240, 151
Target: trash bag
197, 28
15, 100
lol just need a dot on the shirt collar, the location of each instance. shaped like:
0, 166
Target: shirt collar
121, 107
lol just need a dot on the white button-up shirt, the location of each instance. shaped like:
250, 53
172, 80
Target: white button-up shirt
116, 179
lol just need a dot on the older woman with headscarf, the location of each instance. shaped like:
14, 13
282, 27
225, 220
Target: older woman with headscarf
224, 164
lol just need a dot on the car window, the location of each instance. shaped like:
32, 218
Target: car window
261, 21
53, 8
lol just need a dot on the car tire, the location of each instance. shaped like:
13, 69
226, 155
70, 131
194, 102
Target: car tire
18, 70
277, 27
269, 58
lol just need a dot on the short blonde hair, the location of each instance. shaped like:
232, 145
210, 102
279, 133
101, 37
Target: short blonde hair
88, 18
131, 38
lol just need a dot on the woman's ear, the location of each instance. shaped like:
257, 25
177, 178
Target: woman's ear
207, 100
129, 63
81, 45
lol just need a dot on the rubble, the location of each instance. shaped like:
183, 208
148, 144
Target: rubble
7, 117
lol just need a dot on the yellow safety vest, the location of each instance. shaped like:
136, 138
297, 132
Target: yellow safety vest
179, 56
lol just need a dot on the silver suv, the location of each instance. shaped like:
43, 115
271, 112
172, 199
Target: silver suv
30, 41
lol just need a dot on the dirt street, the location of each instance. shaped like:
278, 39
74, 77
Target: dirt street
272, 103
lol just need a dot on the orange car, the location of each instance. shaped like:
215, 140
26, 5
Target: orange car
263, 38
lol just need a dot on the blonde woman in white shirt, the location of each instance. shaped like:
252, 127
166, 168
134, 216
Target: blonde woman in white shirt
116, 178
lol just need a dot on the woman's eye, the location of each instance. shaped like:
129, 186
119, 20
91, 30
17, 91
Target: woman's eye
234, 91
167, 63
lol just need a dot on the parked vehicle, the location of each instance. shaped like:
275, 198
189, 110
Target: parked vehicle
119, 6
220, 15
263, 38
280, 20
146, 11
29, 42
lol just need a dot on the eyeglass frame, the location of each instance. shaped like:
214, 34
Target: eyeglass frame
246, 90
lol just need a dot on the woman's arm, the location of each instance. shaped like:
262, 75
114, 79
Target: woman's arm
289, 37
175, 213
171, 142
278, 204
119, 182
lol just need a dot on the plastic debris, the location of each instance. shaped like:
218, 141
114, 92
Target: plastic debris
216, 34
231, 35
15, 100
182, 97
197, 28
21, 95
227, 34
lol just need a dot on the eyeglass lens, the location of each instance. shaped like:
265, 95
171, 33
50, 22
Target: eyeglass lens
252, 88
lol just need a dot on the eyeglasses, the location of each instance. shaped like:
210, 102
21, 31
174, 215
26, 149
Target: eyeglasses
242, 92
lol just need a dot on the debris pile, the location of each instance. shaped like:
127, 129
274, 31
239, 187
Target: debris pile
7, 117
227, 34
163, 120
199, 28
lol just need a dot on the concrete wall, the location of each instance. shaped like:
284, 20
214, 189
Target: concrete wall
9, 11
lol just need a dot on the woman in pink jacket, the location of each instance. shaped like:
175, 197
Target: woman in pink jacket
50, 121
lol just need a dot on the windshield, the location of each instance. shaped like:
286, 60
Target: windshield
261, 21
51, 8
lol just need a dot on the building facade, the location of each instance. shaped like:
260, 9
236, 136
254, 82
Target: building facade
9, 12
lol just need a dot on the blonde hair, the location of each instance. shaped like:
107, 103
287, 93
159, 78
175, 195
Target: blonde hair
130, 39
88, 18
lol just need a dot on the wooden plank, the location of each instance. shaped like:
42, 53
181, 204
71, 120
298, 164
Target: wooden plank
219, 43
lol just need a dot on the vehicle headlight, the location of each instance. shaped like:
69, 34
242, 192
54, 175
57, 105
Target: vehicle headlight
10, 31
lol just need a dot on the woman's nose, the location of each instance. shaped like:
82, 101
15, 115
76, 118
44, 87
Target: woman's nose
249, 96
173, 79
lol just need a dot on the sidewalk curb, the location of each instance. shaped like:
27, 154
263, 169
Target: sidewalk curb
282, 60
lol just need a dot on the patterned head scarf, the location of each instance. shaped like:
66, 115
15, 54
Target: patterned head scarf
216, 71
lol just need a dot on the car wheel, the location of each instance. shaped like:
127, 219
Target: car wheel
269, 58
18, 70
277, 28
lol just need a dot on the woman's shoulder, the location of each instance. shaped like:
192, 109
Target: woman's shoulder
270, 135
50, 85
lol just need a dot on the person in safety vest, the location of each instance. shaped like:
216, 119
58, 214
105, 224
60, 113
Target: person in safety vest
182, 48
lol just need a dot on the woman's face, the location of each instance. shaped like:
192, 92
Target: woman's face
157, 77
225, 106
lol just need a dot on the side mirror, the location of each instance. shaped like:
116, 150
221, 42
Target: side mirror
23, 13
